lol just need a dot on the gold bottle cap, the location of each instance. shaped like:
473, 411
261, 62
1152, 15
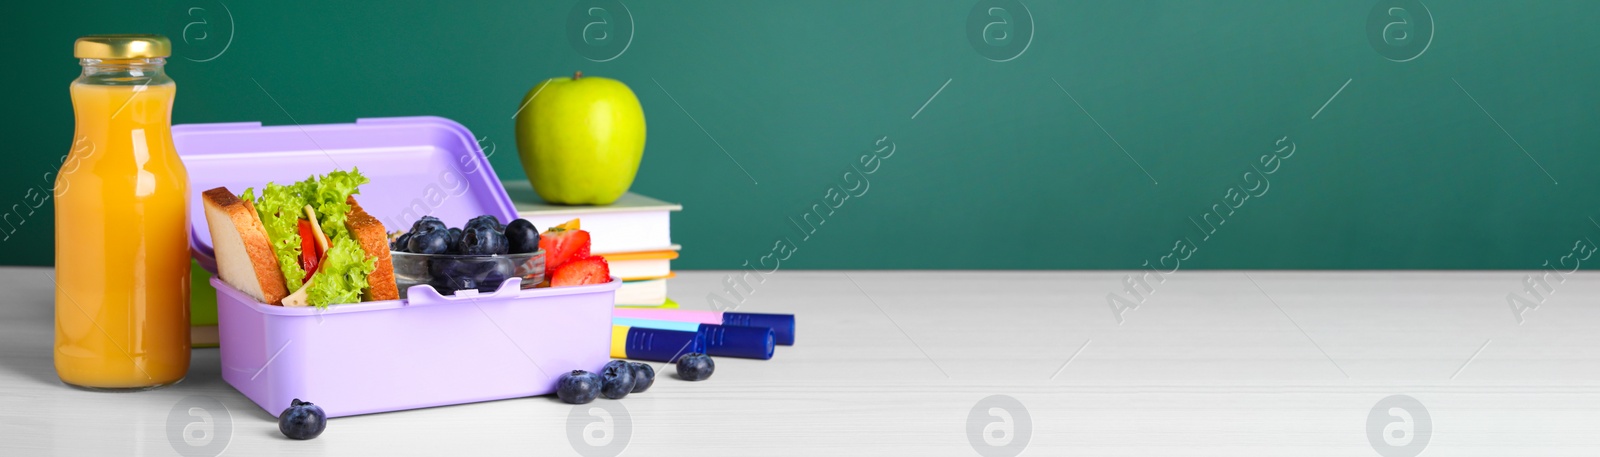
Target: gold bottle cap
122, 46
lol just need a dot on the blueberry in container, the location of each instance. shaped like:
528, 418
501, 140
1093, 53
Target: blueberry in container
448, 273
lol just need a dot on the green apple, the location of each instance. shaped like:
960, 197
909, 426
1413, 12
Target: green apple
580, 139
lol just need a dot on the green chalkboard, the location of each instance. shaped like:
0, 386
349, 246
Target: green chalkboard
1025, 134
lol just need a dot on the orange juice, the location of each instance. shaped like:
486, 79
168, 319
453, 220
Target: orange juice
122, 225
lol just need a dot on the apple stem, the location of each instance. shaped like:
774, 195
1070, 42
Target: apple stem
577, 75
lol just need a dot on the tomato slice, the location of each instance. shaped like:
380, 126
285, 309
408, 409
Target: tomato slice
309, 256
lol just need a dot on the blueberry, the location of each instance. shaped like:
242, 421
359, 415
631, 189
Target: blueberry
499, 244
486, 220
484, 274
302, 421
496, 271
434, 242
482, 240
449, 285
399, 244
452, 274
695, 367
643, 376
522, 236
578, 387
443, 286
427, 224
616, 379
455, 240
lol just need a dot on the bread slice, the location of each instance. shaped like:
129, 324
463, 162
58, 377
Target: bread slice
369, 233
239, 241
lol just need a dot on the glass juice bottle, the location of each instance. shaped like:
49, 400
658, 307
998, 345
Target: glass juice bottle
122, 223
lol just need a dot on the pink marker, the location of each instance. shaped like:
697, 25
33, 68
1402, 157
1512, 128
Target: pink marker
782, 325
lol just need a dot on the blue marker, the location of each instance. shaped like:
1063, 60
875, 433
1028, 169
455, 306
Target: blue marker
720, 340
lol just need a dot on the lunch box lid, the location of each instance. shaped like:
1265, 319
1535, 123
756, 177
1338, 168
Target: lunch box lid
419, 166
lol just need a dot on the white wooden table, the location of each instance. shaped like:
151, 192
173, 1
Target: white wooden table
906, 363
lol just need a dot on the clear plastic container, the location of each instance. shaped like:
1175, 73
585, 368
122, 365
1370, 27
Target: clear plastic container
448, 273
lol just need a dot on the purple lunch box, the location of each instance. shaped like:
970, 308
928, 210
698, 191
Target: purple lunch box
425, 350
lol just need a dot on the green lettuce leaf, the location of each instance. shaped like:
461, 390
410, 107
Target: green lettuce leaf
280, 208
342, 275
328, 195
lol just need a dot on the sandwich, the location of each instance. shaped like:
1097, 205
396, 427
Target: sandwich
304, 244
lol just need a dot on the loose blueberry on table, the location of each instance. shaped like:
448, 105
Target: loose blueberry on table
643, 376
616, 379
695, 367
302, 421
578, 387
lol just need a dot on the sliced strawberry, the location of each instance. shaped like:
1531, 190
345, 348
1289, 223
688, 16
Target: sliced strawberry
562, 244
588, 270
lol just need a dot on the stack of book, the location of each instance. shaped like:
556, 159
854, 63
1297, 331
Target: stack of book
633, 234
